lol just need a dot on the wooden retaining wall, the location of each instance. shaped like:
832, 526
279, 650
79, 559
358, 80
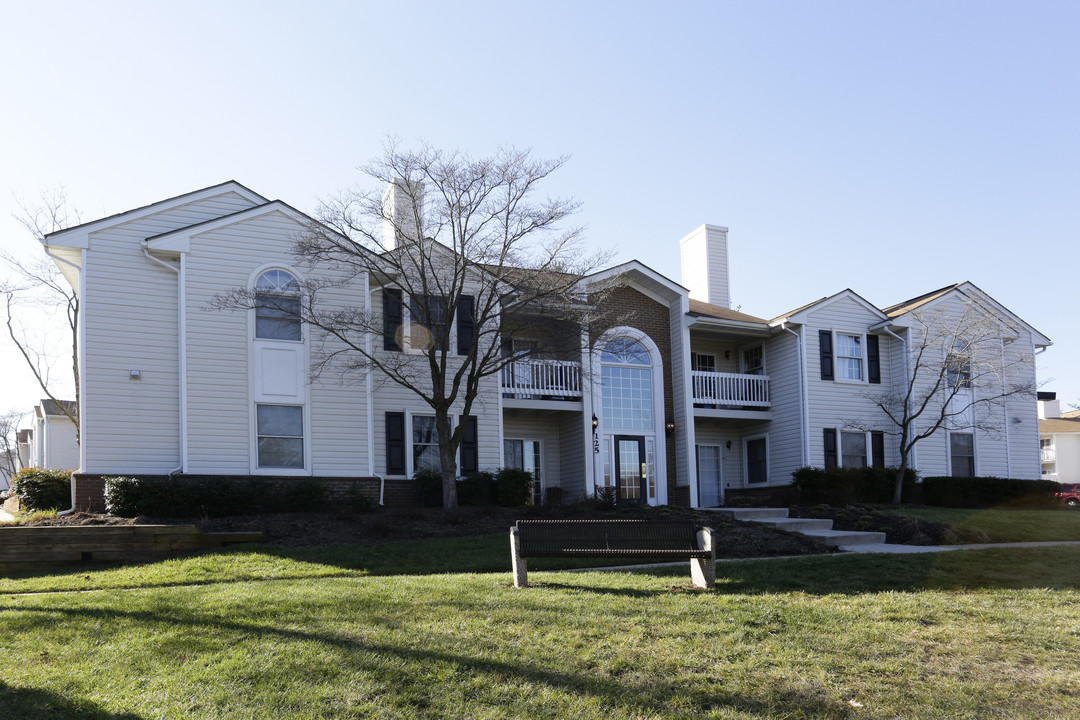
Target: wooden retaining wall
27, 548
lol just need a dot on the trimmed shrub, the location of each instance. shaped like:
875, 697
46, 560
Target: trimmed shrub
984, 492
846, 486
428, 486
476, 488
42, 489
514, 487
210, 497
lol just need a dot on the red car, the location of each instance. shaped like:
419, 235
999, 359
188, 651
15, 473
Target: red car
1069, 494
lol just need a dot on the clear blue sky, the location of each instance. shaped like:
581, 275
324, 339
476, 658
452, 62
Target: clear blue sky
892, 148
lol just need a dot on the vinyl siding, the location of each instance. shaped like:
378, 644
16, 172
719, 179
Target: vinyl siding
834, 402
130, 323
782, 362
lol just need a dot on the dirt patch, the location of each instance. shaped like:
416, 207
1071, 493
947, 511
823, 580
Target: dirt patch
735, 539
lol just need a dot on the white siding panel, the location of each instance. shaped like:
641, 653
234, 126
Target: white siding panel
130, 323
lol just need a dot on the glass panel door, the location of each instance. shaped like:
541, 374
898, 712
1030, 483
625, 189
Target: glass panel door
631, 469
708, 469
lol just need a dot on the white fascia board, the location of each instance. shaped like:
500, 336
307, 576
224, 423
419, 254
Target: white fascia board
977, 295
800, 317
640, 275
179, 241
706, 323
79, 236
72, 255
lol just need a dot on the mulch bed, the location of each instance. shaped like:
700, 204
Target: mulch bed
735, 539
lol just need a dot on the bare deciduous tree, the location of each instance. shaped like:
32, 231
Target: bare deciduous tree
454, 242
9, 447
38, 283
961, 369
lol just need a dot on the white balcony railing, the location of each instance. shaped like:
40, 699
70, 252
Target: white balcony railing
544, 378
730, 389
1048, 454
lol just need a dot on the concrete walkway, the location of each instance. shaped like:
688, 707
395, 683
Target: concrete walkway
5, 516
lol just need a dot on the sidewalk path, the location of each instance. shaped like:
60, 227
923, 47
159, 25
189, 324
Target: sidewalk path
881, 548
5, 516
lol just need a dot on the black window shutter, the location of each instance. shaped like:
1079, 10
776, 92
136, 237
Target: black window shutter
391, 319
395, 443
873, 359
465, 315
830, 449
877, 449
825, 341
470, 447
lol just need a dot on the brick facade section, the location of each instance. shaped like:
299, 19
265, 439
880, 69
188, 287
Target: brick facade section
90, 489
645, 314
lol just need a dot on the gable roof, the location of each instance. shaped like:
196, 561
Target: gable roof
977, 295
908, 305
1059, 425
179, 240
50, 408
798, 315
78, 235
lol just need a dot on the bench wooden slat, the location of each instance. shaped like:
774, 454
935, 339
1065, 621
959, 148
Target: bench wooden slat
653, 539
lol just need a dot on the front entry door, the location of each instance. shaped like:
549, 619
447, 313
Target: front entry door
631, 470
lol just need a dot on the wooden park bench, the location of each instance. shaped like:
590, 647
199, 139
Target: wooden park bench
655, 540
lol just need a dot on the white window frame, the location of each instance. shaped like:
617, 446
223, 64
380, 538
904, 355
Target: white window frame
410, 458
742, 358
837, 356
694, 361
305, 425
255, 309
256, 397
974, 452
746, 460
539, 460
867, 447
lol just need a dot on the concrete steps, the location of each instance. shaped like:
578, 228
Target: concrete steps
817, 528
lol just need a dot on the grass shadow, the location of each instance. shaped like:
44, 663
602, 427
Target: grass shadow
1054, 568
37, 703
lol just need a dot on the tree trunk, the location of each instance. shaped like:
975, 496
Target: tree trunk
448, 463
898, 485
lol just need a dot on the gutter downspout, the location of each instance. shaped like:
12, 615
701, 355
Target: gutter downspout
1004, 412
81, 294
369, 391
907, 383
181, 318
805, 439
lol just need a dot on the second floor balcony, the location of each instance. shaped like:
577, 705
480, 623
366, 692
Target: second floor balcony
1048, 454
542, 380
730, 390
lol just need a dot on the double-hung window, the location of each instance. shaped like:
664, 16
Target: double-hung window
962, 454
280, 432
849, 357
425, 444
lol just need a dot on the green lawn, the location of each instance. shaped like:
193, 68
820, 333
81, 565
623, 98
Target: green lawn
992, 633
1006, 525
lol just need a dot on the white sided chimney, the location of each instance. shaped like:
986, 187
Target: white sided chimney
402, 203
705, 265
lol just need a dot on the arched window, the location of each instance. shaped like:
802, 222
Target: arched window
277, 306
626, 379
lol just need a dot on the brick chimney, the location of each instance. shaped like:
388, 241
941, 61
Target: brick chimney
705, 265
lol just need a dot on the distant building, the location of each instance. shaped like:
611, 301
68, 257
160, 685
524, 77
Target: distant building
52, 441
1059, 441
